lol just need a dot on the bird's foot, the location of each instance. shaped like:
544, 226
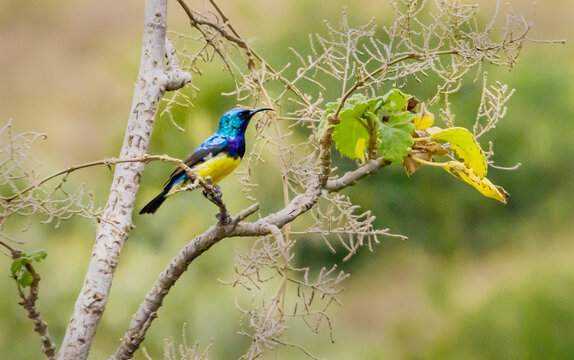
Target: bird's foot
217, 191
214, 195
223, 218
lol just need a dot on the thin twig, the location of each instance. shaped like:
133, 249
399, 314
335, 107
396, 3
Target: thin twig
238, 40
115, 161
28, 302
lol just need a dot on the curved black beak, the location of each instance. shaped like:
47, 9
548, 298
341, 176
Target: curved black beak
255, 111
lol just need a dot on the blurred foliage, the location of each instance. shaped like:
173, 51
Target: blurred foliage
529, 321
403, 301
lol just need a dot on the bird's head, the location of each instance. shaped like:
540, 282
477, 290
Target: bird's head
235, 121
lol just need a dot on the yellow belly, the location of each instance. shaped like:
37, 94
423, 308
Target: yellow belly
217, 167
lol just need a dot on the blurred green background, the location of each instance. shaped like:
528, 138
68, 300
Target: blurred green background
475, 280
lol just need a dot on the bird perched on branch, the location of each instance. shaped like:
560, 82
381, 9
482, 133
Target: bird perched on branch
216, 157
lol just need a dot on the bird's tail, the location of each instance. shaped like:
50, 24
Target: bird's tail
153, 205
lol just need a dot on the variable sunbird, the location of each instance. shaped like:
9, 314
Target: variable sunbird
216, 157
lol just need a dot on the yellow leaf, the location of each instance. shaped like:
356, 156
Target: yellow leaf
483, 185
434, 130
360, 149
465, 146
424, 119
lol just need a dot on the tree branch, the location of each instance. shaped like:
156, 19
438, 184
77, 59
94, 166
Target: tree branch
175, 77
325, 145
147, 310
239, 41
350, 178
114, 161
70, 169
29, 304
116, 222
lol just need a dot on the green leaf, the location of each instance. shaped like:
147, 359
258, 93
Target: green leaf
25, 279
349, 133
18, 268
37, 255
17, 265
395, 136
395, 100
360, 116
353, 111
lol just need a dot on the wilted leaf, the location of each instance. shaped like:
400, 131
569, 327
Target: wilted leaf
483, 185
465, 146
411, 165
412, 103
424, 150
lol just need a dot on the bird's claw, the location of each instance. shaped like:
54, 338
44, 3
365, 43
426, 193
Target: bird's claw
217, 191
225, 219
214, 195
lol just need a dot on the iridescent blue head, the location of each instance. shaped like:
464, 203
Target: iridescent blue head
234, 122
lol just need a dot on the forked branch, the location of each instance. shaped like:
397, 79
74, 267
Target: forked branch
146, 313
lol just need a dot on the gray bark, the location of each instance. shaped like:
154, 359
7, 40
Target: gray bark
116, 221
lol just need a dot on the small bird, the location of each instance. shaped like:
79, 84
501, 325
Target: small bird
216, 157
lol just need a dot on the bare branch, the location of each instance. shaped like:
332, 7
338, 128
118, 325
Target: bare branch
350, 178
175, 77
116, 224
107, 162
146, 312
114, 161
196, 22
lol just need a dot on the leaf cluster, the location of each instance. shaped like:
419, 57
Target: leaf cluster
391, 126
20, 266
382, 122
